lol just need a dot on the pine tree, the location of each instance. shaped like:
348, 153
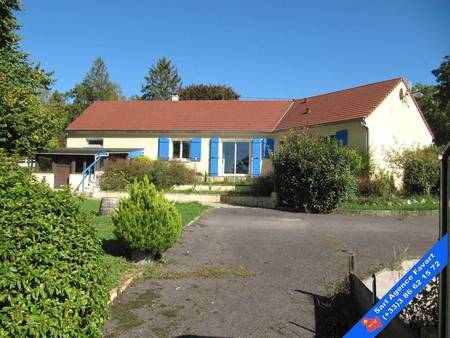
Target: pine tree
162, 81
96, 86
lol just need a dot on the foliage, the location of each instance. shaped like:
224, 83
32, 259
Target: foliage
435, 102
436, 114
378, 184
419, 168
8, 23
208, 92
25, 125
424, 309
96, 86
146, 221
161, 82
163, 174
52, 282
313, 173
442, 74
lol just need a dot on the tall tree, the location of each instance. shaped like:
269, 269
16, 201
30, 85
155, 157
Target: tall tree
25, 125
161, 82
95, 86
435, 102
443, 79
8, 23
208, 92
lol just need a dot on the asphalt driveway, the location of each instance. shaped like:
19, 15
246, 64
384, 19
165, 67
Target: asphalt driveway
236, 272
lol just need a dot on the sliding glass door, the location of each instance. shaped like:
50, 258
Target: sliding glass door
235, 157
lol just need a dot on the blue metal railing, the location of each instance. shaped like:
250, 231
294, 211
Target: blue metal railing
89, 171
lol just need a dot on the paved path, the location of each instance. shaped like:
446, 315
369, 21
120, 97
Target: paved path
257, 259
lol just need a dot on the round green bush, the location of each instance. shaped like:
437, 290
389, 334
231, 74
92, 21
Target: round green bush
312, 173
145, 220
52, 284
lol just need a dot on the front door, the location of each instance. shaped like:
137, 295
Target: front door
61, 173
235, 157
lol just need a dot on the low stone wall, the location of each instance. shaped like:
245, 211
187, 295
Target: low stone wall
176, 197
250, 201
218, 188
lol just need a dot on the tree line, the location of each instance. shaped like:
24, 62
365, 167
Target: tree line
34, 117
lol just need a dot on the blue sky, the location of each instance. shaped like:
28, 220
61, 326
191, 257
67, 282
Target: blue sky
263, 49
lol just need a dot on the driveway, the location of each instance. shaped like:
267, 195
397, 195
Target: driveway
244, 272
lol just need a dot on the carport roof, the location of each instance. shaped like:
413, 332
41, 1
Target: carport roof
86, 151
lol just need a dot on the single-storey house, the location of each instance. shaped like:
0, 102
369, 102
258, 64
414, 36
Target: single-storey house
235, 138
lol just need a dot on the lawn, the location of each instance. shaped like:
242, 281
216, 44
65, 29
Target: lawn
394, 202
115, 255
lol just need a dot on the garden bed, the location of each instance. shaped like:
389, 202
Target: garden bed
392, 203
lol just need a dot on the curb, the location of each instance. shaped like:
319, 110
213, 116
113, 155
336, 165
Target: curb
387, 212
125, 283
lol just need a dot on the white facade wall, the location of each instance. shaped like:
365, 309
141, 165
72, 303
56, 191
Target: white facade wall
396, 124
48, 178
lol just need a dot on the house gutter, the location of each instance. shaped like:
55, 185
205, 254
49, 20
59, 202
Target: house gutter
364, 124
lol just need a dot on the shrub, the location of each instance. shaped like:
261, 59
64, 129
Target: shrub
146, 221
312, 173
419, 168
263, 185
163, 174
52, 283
379, 184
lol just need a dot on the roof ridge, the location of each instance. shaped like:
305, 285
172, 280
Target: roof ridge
397, 79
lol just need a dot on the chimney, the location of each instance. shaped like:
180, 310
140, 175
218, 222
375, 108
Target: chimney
175, 97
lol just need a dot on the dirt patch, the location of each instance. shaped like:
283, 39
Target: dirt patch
203, 272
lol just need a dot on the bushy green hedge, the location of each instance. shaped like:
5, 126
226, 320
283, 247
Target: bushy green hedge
52, 282
419, 168
145, 220
312, 173
163, 174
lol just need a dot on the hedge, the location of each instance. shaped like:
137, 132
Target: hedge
52, 282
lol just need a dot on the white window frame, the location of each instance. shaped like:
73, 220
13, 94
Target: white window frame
181, 159
221, 163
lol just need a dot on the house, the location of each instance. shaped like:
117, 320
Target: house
235, 138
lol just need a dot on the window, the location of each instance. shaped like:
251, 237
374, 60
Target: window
235, 157
181, 149
95, 142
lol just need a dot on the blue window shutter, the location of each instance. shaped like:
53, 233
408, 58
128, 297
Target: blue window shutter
163, 148
256, 157
196, 149
214, 157
268, 147
342, 137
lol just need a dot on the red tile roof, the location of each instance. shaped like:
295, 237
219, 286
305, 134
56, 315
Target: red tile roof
337, 106
233, 115
181, 115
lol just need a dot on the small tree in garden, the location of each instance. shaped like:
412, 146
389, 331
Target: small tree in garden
146, 221
52, 283
313, 173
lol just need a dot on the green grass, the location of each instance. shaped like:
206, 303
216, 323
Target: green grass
114, 257
394, 203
